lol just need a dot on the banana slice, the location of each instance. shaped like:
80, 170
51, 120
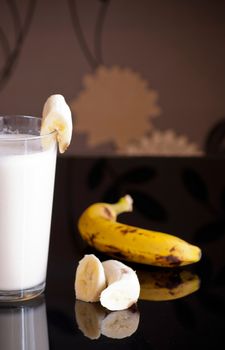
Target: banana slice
89, 318
123, 286
90, 279
56, 115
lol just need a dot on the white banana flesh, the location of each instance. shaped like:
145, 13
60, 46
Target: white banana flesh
90, 279
56, 116
123, 287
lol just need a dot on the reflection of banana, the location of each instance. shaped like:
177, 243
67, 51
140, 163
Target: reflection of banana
120, 324
93, 320
99, 227
167, 284
89, 318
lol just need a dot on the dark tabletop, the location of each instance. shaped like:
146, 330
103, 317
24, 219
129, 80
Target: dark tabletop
182, 196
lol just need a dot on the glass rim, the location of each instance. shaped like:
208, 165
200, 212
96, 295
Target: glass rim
28, 137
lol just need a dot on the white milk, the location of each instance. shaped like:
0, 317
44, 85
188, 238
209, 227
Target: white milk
26, 195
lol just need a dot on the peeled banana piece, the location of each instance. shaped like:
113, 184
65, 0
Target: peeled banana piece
90, 279
123, 287
167, 284
93, 320
112, 283
56, 116
99, 227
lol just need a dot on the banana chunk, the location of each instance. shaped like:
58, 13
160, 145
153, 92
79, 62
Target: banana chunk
56, 115
123, 286
90, 279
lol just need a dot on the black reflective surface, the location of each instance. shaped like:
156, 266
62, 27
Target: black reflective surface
185, 197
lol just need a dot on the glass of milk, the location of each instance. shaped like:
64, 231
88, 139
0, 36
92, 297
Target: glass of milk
27, 173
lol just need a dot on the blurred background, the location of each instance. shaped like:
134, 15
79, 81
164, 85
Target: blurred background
141, 77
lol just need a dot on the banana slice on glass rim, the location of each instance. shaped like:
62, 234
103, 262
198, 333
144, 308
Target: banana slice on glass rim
56, 116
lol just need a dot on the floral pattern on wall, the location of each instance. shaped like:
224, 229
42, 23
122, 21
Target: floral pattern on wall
163, 143
112, 100
116, 105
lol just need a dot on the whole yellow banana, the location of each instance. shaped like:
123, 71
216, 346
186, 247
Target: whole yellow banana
98, 226
167, 284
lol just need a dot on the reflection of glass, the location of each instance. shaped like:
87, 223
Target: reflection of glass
27, 171
24, 326
164, 284
94, 320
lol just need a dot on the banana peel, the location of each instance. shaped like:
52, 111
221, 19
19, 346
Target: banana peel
99, 227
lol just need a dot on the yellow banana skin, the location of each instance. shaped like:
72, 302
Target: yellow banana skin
98, 226
167, 284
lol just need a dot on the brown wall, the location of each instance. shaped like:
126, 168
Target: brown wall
173, 48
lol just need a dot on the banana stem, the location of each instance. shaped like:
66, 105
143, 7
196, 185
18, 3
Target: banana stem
124, 204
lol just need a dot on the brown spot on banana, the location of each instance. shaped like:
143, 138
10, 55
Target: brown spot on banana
172, 249
114, 252
124, 231
92, 238
108, 213
128, 230
173, 260
118, 255
168, 260
128, 256
111, 248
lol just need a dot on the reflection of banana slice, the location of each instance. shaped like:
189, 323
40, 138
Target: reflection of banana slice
89, 317
167, 285
57, 116
120, 324
93, 320
90, 279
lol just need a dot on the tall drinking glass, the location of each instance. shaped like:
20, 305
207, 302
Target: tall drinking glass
27, 174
